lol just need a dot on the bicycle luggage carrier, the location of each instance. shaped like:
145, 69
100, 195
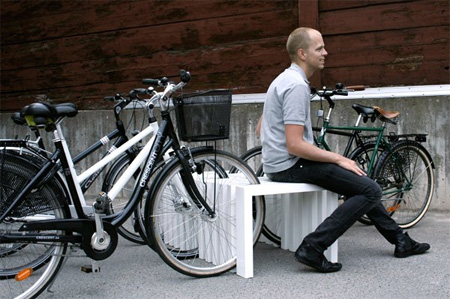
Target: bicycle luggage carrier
204, 116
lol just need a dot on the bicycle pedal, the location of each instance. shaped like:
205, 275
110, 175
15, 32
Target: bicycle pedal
93, 268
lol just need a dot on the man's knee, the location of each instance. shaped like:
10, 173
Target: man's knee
373, 192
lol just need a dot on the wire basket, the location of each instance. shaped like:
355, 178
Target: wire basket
204, 116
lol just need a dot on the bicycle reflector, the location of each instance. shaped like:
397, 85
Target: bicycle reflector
23, 274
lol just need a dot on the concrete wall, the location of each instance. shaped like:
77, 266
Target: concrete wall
425, 114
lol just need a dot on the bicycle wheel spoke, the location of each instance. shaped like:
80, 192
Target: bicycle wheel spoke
407, 179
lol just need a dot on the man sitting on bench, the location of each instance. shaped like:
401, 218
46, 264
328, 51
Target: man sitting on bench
289, 155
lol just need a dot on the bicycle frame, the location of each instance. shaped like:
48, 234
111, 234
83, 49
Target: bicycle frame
355, 130
151, 152
118, 135
74, 181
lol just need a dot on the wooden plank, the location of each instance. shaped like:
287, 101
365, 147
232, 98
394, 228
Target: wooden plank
326, 5
264, 53
146, 41
308, 12
27, 9
90, 97
94, 17
428, 72
392, 38
210, 68
380, 56
385, 17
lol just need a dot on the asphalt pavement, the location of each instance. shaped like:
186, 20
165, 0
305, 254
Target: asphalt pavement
370, 270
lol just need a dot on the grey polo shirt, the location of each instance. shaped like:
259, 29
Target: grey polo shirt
287, 102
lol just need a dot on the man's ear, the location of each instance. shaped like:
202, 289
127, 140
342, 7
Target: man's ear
301, 54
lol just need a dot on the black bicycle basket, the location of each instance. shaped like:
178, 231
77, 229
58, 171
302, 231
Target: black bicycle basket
204, 116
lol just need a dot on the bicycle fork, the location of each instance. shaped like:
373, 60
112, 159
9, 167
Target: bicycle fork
189, 167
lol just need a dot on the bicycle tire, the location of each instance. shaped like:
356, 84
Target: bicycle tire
48, 201
405, 173
177, 226
272, 218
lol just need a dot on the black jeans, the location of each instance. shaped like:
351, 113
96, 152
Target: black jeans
363, 197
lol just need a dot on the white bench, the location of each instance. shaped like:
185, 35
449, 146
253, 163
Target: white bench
305, 206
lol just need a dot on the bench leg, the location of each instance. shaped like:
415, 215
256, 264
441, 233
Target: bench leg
244, 234
330, 200
302, 213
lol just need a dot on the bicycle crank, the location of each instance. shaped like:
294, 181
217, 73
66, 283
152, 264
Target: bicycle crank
100, 248
103, 239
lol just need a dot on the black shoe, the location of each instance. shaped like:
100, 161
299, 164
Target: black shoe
307, 255
406, 246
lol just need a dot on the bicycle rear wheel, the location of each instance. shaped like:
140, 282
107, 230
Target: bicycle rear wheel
185, 237
42, 260
405, 173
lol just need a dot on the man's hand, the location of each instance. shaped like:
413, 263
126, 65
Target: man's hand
299, 147
351, 165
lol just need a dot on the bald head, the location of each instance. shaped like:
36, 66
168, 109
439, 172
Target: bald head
300, 38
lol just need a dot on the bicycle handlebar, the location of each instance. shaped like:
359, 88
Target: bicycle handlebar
185, 76
340, 89
170, 87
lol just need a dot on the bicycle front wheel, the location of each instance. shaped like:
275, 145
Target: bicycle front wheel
405, 173
185, 236
26, 269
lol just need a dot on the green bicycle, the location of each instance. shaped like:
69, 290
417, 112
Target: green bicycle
399, 163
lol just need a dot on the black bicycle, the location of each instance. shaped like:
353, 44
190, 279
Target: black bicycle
189, 220
35, 151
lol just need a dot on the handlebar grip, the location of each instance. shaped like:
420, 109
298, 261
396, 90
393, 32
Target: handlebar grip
109, 98
148, 81
137, 91
343, 92
356, 87
185, 76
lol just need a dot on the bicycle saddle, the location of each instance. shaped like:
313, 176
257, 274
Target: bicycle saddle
41, 114
375, 111
387, 114
367, 111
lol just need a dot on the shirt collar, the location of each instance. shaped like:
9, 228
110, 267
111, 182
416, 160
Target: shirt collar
298, 69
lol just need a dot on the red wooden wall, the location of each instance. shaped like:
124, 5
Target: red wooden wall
385, 43
81, 51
